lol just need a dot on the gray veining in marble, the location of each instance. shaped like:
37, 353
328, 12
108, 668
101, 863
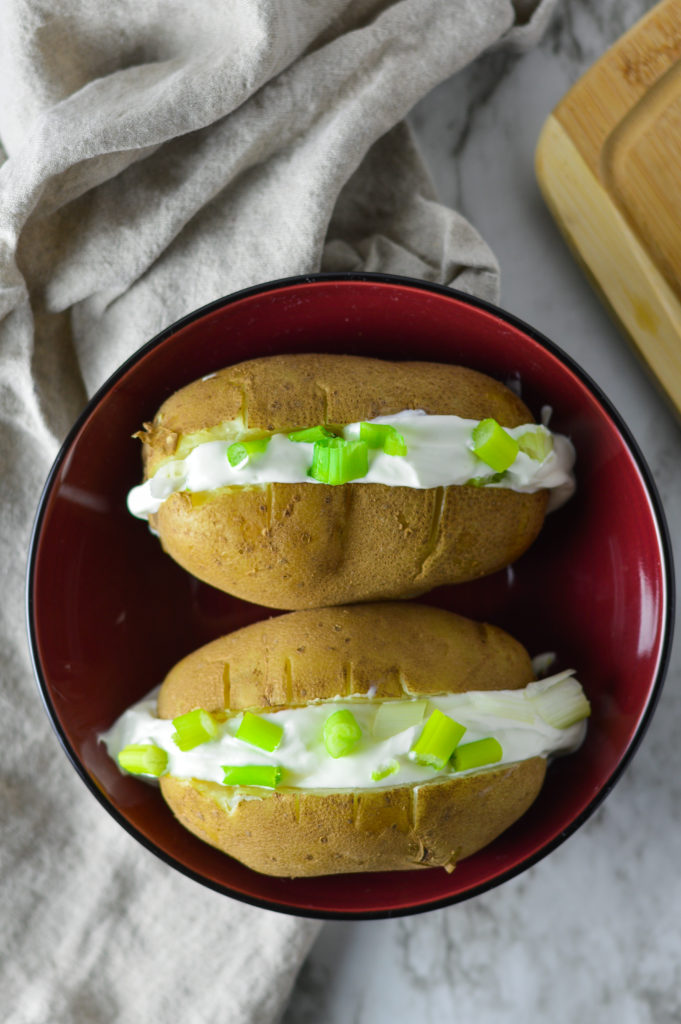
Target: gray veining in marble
593, 932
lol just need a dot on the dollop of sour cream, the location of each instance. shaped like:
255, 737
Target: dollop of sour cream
509, 716
439, 454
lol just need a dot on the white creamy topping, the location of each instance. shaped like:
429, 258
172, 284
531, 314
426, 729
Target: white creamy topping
521, 732
439, 455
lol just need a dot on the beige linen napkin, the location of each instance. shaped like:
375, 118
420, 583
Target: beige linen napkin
158, 155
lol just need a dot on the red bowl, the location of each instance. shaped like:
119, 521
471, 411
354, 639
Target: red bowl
109, 613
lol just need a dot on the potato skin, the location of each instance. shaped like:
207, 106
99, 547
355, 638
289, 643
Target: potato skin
304, 545
391, 650
298, 835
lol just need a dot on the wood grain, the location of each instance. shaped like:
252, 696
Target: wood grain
608, 162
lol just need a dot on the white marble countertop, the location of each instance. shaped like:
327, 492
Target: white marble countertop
592, 932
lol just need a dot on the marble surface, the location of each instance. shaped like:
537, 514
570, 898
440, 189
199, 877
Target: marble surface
592, 932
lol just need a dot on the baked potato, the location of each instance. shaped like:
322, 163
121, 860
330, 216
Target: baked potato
389, 798
299, 542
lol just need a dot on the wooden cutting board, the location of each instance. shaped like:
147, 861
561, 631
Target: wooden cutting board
608, 162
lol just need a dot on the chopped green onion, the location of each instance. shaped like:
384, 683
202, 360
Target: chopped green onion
243, 451
541, 663
374, 433
259, 732
563, 704
268, 775
536, 443
439, 737
395, 716
311, 434
193, 728
512, 705
482, 481
383, 771
143, 759
477, 754
337, 461
341, 733
395, 444
493, 445
383, 435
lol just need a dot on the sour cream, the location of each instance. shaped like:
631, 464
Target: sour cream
521, 732
438, 455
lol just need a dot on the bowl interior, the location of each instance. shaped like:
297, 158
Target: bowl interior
109, 613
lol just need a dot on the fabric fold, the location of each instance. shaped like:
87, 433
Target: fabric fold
159, 156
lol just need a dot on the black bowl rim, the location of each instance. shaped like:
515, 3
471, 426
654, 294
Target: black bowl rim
658, 515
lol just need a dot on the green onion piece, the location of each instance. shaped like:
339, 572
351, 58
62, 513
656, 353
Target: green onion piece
563, 704
337, 461
437, 741
143, 759
514, 705
384, 770
259, 732
395, 716
394, 444
193, 728
341, 733
382, 435
268, 775
311, 435
374, 433
493, 445
482, 481
477, 754
242, 451
541, 663
536, 443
